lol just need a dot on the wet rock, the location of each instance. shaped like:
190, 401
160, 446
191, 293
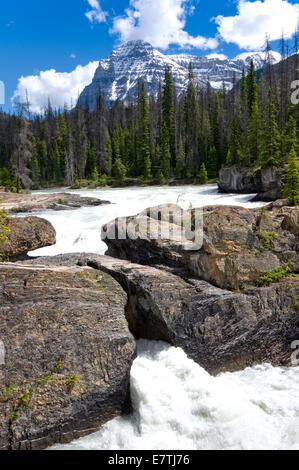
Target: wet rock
219, 329
26, 234
68, 353
267, 182
21, 203
238, 245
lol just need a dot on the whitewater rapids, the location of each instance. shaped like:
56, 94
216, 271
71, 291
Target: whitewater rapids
177, 404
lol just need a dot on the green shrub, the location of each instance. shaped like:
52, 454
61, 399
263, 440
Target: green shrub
71, 380
203, 175
266, 238
274, 276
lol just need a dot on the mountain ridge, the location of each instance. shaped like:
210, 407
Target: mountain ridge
119, 74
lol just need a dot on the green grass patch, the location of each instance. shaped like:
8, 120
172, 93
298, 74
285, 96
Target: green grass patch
266, 239
275, 275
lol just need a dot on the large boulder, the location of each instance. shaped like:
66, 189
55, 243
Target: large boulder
238, 245
66, 353
267, 182
26, 234
219, 329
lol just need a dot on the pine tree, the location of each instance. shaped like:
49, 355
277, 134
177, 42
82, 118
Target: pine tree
243, 89
251, 88
168, 113
253, 135
291, 179
91, 163
165, 153
203, 175
34, 164
192, 124
55, 160
289, 138
22, 152
212, 164
216, 132
119, 170
270, 154
144, 153
235, 148
110, 157
180, 160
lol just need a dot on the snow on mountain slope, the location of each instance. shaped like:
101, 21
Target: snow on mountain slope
118, 76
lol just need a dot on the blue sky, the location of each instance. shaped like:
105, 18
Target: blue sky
63, 34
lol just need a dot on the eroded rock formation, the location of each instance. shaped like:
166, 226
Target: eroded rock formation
21, 203
266, 182
26, 234
68, 353
239, 245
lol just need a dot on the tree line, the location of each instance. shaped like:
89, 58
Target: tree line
158, 136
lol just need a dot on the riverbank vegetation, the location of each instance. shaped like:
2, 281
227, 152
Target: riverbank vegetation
188, 137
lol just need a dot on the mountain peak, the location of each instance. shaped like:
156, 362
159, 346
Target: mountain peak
119, 74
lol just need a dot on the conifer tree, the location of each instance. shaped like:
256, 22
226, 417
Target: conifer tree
212, 164
289, 138
165, 152
144, 153
270, 154
91, 169
168, 113
216, 132
22, 151
203, 175
55, 161
110, 157
119, 170
291, 178
253, 135
192, 124
180, 161
251, 88
235, 148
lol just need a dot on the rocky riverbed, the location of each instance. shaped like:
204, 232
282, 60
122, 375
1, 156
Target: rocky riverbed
69, 323
21, 203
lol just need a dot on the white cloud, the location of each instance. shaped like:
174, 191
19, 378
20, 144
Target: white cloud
161, 23
73, 56
215, 55
60, 88
96, 14
248, 29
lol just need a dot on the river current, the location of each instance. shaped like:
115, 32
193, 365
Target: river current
177, 404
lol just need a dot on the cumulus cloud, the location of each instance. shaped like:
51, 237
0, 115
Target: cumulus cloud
60, 88
161, 23
215, 55
254, 20
96, 14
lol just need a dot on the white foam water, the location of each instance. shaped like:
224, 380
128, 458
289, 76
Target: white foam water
177, 404
79, 230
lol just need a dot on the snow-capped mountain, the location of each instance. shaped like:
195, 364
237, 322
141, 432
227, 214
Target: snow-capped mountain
118, 75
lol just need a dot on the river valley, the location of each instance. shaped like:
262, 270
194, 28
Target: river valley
177, 404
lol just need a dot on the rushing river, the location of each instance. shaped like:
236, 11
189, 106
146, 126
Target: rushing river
177, 404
